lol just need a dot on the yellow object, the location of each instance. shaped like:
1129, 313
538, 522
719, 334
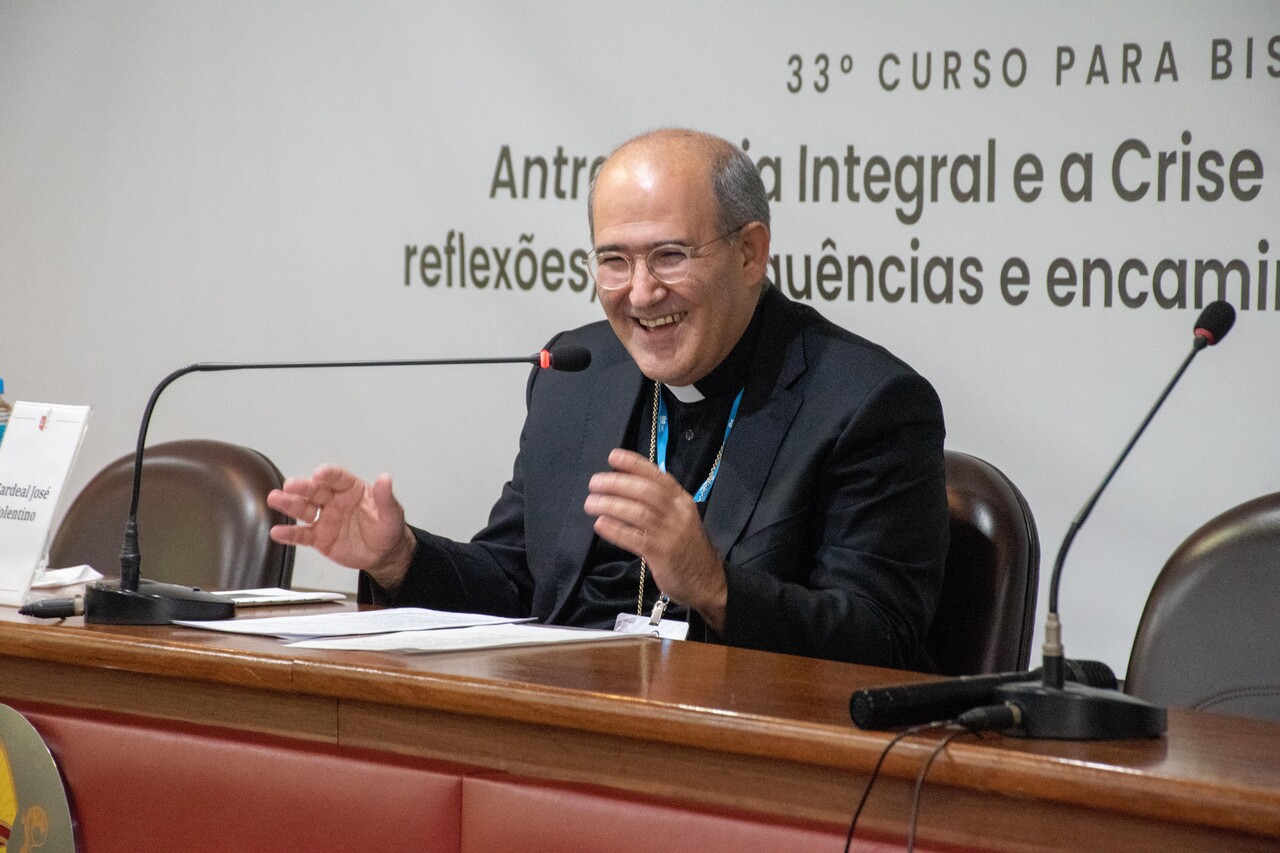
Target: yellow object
8, 799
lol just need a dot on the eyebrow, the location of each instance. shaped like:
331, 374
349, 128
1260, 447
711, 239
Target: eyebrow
621, 247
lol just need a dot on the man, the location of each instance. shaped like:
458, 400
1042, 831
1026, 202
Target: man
778, 479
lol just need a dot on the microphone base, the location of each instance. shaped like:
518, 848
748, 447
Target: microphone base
1077, 712
153, 603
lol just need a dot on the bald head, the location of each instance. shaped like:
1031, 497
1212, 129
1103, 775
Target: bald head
731, 179
677, 193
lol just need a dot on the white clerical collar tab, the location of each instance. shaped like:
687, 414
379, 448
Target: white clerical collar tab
686, 393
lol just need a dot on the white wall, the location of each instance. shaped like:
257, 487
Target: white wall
238, 181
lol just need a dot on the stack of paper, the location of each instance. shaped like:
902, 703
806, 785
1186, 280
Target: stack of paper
403, 629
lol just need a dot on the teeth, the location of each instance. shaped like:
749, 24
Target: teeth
662, 321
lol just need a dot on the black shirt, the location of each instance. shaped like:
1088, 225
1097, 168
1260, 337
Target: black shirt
610, 584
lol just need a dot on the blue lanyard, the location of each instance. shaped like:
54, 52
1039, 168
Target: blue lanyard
661, 450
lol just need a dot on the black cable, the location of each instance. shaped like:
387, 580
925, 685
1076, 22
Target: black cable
991, 718
875, 771
973, 721
915, 797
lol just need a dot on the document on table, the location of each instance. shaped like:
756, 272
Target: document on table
274, 596
349, 623
463, 639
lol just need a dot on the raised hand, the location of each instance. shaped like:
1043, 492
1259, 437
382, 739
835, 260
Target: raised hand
643, 510
352, 522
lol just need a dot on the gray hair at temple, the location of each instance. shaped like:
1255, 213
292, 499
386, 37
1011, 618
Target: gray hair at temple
739, 193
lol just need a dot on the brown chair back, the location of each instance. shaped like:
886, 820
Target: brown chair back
987, 609
1209, 637
203, 518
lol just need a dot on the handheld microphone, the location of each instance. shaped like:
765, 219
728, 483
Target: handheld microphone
909, 704
1053, 709
134, 601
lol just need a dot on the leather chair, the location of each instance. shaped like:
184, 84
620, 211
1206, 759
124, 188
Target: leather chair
203, 518
1209, 636
987, 609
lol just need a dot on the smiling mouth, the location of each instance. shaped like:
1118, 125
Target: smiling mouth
662, 321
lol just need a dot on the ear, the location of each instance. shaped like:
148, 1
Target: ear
753, 241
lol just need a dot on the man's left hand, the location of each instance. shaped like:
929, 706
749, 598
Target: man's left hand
642, 509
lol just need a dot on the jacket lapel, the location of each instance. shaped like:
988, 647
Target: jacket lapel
769, 405
605, 419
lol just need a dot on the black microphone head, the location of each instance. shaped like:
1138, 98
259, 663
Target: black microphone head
1215, 321
568, 357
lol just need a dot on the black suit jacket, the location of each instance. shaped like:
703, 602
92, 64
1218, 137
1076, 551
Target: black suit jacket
829, 507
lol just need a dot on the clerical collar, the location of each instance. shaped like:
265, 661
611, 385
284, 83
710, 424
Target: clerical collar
686, 393
730, 375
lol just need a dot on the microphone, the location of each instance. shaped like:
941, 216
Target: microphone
907, 705
568, 358
131, 600
1213, 323
1053, 709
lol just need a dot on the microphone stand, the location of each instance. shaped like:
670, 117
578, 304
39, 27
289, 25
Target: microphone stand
1056, 708
131, 600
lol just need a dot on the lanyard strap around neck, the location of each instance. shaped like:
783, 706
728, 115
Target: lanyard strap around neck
660, 451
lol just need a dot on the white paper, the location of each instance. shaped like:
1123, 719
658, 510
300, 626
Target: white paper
50, 578
349, 623
39, 447
278, 596
462, 639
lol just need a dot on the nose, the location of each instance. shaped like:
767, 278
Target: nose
645, 289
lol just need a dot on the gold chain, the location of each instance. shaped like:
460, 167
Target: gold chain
653, 457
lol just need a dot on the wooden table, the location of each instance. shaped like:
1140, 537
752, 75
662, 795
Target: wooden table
704, 724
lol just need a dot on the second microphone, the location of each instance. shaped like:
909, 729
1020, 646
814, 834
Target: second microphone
909, 704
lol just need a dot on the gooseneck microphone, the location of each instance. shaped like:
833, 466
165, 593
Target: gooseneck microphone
1052, 708
134, 601
1074, 700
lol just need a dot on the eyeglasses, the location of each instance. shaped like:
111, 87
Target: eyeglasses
668, 263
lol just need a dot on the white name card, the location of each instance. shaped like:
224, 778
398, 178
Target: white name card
36, 454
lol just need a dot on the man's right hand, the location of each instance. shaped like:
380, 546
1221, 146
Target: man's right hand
353, 523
